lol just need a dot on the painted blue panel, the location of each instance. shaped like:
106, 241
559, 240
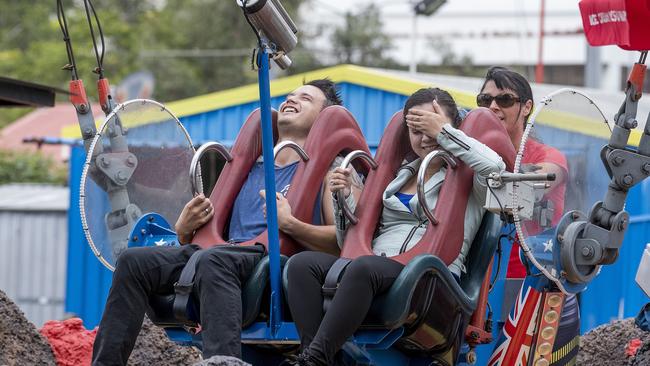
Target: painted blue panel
87, 280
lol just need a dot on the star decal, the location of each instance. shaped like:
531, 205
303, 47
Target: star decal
161, 242
548, 246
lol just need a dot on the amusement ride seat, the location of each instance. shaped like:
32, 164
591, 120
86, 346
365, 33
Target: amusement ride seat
426, 310
334, 132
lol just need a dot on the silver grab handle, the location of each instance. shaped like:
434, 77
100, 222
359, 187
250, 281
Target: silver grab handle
297, 148
421, 174
339, 194
196, 179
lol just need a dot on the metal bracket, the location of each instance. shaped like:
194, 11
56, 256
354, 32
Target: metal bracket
118, 166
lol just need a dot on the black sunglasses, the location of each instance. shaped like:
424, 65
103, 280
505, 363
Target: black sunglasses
503, 100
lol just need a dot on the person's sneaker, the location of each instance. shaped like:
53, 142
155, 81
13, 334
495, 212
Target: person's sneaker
301, 359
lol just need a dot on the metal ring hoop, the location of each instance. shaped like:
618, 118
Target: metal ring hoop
356, 154
449, 159
290, 144
90, 157
196, 179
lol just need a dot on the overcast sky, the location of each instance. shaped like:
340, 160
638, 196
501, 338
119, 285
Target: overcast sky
471, 27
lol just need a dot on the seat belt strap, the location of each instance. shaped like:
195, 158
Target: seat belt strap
183, 288
332, 281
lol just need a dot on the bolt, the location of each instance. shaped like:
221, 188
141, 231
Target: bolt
560, 238
628, 180
105, 162
150, 218
82, 108
575, 215
618, 160
587, 252
143, 231
646, 168
130, 161
622, 224
135, 238
120, 176
631, 123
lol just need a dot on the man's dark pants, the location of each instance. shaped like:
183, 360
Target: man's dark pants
220, 275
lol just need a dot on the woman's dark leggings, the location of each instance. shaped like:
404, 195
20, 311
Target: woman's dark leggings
322, 335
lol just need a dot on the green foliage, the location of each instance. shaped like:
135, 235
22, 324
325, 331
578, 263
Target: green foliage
451, 63
29, 167
137, 34
8, 115
361, 39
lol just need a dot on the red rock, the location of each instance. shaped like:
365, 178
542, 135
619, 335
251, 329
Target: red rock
71, 342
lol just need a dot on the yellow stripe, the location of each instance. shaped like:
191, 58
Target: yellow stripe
250, 93
565, 350
343, 73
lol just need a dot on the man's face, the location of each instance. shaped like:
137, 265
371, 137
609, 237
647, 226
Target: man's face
301, 108
512, 117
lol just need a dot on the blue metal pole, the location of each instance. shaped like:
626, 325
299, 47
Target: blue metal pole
269, 184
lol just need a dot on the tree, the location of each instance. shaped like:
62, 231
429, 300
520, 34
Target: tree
450, 62
29, 167
31, 46
360, 40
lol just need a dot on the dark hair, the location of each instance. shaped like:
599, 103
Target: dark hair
328, 87
507, 79
428, 95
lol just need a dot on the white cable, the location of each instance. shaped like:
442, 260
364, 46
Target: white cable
515, 204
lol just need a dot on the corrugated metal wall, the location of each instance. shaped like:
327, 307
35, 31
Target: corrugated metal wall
33, 261
88, 281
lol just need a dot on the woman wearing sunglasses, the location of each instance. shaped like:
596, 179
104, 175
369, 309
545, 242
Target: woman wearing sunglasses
509, 96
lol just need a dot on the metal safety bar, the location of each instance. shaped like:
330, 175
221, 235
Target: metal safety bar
356, 154
449, 159
290, 144
195, 179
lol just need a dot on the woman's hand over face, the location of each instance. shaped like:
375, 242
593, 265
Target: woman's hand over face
429, 123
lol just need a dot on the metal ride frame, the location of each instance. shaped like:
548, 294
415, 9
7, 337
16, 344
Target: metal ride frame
584, 242
588, 240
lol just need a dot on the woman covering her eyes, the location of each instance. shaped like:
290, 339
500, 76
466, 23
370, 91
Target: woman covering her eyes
432, 118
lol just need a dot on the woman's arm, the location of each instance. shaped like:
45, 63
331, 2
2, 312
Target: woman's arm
472, 152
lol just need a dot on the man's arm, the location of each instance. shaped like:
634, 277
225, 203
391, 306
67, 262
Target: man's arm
313, 237
196, 213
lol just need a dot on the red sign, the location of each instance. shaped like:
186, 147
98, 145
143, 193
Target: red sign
625, 23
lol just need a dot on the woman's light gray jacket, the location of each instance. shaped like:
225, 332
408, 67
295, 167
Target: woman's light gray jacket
399, 229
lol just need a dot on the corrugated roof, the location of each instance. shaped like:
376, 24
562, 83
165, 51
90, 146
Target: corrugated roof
34, 197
